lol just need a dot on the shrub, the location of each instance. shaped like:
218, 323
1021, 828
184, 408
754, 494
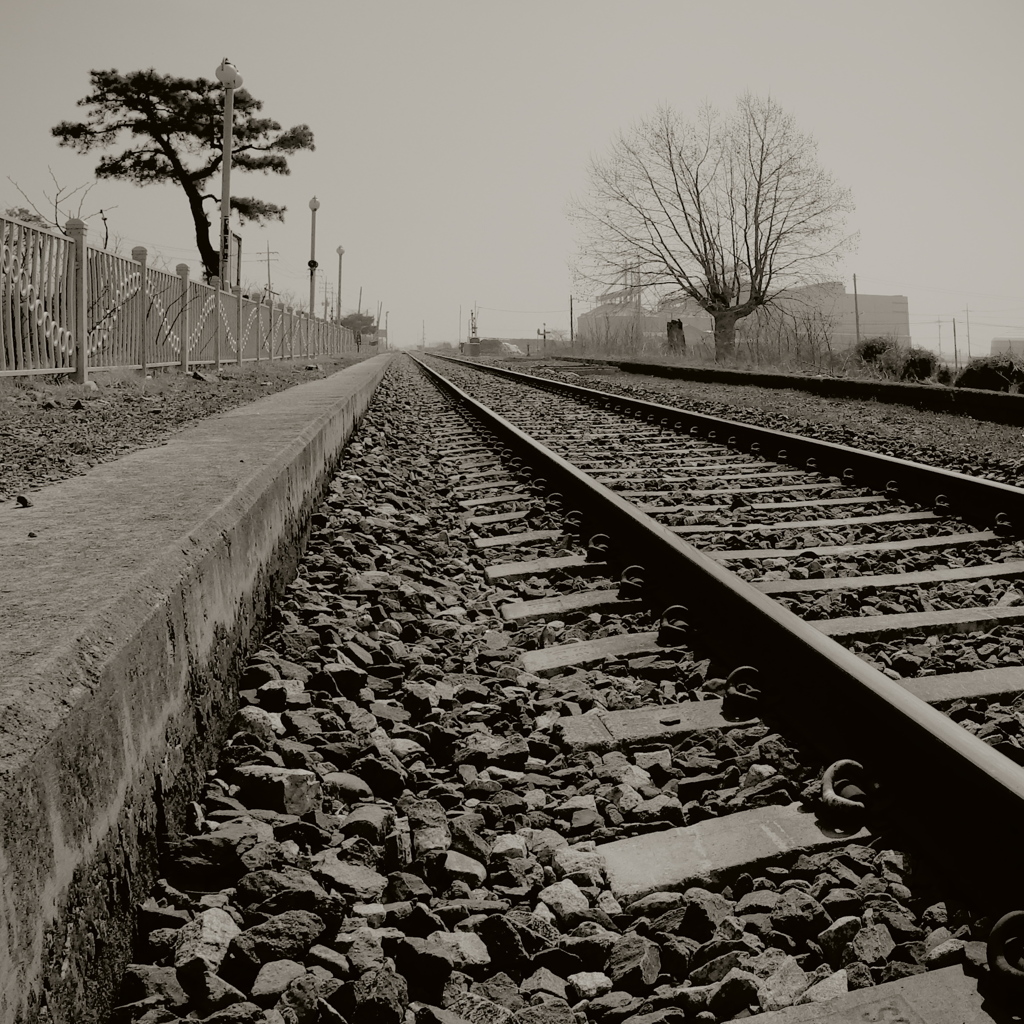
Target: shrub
991, 373
944, 375
918, 364
872, 350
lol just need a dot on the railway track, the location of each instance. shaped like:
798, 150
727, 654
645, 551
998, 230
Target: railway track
515, 752
813, 527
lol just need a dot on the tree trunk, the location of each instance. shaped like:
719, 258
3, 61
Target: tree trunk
207, 252
676, 341
725, 335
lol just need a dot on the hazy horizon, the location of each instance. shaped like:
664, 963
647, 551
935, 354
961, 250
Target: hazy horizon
450, 137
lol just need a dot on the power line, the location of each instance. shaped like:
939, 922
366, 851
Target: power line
491, 309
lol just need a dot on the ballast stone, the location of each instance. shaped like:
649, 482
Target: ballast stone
589, 984
346, 787
287, 790
350, 879
564, 899
205, 940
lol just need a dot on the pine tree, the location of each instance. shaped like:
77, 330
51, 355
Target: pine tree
174, 126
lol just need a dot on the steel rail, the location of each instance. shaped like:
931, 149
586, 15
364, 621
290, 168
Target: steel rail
970, 498
955, 798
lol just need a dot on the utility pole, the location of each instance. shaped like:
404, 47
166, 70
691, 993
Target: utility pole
856, 310
423, 335
968, 310
325, 301
359, 307
458, 341
266, 259
337, 305
572, 326
956, 357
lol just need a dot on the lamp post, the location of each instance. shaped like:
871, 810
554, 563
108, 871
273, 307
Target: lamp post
341, 252
228, 76
314, 205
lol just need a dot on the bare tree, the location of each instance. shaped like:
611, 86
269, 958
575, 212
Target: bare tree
790, 332
729, 209
62, 204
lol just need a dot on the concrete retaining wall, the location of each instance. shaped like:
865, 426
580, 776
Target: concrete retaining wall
994, 406
127, 597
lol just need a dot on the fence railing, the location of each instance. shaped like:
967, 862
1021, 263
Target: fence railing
66, 307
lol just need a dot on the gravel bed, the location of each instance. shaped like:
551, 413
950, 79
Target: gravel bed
742, 515
394, 833
924, 597
52, 428
913, 657
876, 563
960, 443
831, 536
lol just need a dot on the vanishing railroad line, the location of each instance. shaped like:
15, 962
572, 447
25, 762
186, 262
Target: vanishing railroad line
880, 554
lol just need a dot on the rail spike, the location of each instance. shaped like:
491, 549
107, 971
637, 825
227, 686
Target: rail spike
743, 694
572, 521
1005, 950
632, 582
674, 628
844, 792
597, 548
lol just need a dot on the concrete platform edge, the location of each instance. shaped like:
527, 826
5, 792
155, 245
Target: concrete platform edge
144, 692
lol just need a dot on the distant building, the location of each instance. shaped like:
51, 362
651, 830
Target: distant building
1010, 346
818, 309
611, 320
830, 307
508, 346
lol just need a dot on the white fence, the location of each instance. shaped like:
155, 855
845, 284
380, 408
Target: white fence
68, 308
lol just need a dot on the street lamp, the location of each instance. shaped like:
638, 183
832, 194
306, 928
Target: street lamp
314, 205
228, 76
341, 252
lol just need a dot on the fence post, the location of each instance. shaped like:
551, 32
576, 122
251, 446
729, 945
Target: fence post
270, 329
215, 282
259, 340
76, 229
186, 326
238, 340
139, 254
291, 331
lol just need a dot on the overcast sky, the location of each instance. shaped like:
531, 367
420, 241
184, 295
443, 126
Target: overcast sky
450, 135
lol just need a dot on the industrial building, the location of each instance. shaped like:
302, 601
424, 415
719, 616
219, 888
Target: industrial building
812, 309
1007, 346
